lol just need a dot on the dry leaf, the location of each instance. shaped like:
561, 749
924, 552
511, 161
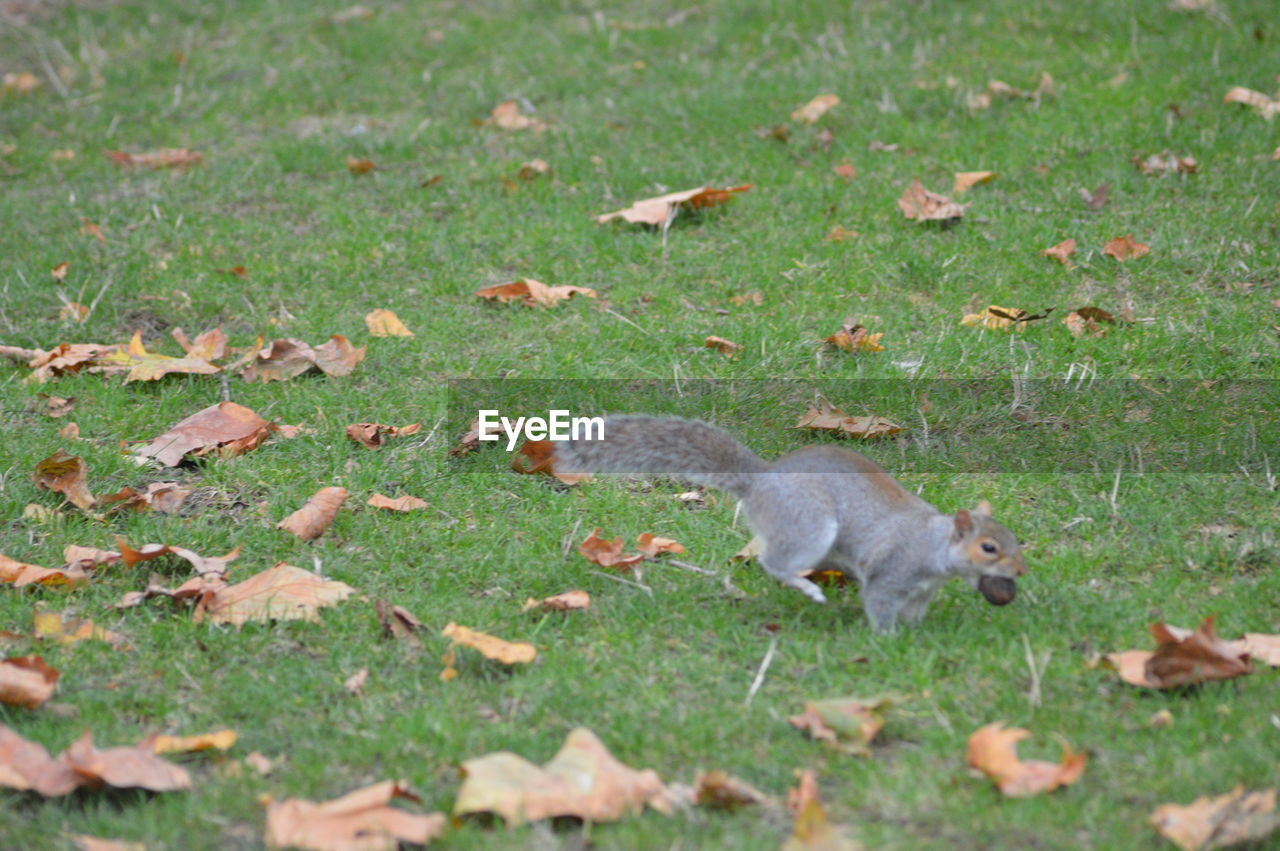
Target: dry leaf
778, 133
283, 592
65, 474
1097, 199
67, 629
1165, 163
70, 431
373, 435
965, 180
26, 765
227, 428
655, 211
997, 88
583, 780
471, 440
607, 553
533, 293
847, 724
491, 647
652, 546
312, 519
846, 170
831, 418
26, 681
360, 165
134, 767
993, 751
507, 116
84, 842
399, 623
812, 831
178, 159
88, 228
1088, 321
559, 602
1182, 658
852, 337
359, 821
87, 558
723, 346
204, 565
719, 790
1236, 818
746, 298
356, 681
163, 497
920, 205
149, 366
19, 83
533, 169
999, 318
400, 503
18, 574
222, 740
1265, 106
384, 323
56, 406
59, 272
840, 233
285, 358
68, 358
1124, 248
73, 311
815, 109
1062, 252
538, 456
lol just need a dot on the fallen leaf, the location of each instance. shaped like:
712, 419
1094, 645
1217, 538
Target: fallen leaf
73, 311
88, 228
203, 565
360, 165
1088, 321
210, 345
1265, 106
70, 431
149, 366
67, 629
885, 147
236, 271
491, 647
259, 763
719, 790
356, 681
283, 359
1165, 163
655, 211
607, 553
746, 298
56, 406
815, 109
84, 842
27, 766
533, 293
1124, 248
831, 418
966, 180
997, 88
777, 132
847, 724
993, 751
384, 323
1182, 658
65, 474
373, 435
59, 272
178, 159
1000, 318
1236, 818
283, 592
226, 428
652, 546
812, 830
399, 623
1097, 199
846, 171
351, 14
19, 83
67, 358
840, 233
222, 740
87, 558
470, 441
26, 681
583, 780
162, 497
19, 574
920, 205
400, 503
723, 346
134, 767
507, 116
361, 820
312, 519
852, 337
1062, 252
538, 456
533, 169
567, 601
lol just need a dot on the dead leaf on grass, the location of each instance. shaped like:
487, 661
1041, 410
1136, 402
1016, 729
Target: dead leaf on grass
384, 323
143, 365
1062, 252
655, 211
400, 503
362, 820
221, 740
1236, 818
56, 406
19, 574
993, 751
533, 293
286, 358
26, 681
470, 441
845, 170
1165, 163
831, 418
65, 474
812, 830
1265, 106
225, 428
1182, 658
373, 435
67, 629
27, 766
135, 767
1097, 199
178, 159
354, 683
815, 109
507, 116
847, 724
653, 546
210, 345
999, 318
966, 180
88, 228
59, 272
490, 646
1088, 322
162, 497
538, 456
723, 346
1124, 248
607, 553
719, 790
360, 165
204, 565
85, 842
582, 781
533, 169
312, 519
840, 233
283, 592
567, 601
920, 205
852, 337
399, 623
86, 558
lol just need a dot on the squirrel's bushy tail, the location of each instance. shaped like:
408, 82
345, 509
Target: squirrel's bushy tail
686, 449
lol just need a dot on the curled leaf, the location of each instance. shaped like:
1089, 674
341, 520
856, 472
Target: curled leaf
533, 293
312, 519
655, 211
993, 751
65, 474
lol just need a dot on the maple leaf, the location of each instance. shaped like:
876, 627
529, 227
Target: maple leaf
163, 497
283, 592
219, 741
1062, 252
993, 751
723, 346
26, 681
605, 553
384, 323
852, 337
815, 109
312, 519
830, 418
360, 820
210, 345
400, 503
63, 359
65, 474
1124, 248
652, 546
1265, 106
373, 435
1182, 658
227, 428
564, 602
507, 116
583, 780
655, 211
1000, 318
283, 359
149, 366
538, 456
966, 180
533, 293
19, 574
920, 205
847, 724
178, 159
1236, 818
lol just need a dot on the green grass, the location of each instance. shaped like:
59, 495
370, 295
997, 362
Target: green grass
276, 98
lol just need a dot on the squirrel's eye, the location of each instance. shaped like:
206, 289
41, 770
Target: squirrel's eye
988, 547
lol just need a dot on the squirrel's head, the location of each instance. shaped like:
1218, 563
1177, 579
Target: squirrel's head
986, 554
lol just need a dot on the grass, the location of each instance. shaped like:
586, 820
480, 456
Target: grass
640, 103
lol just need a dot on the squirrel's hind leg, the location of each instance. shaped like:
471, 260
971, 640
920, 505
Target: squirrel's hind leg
789, 553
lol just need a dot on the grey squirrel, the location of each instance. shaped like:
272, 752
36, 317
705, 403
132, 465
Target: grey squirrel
820, 508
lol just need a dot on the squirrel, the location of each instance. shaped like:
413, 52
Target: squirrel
819, 508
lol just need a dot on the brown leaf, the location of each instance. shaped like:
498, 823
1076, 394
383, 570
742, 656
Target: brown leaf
73, 311
920, 205
178, 159
134, 767
360, 165
227, 428
778, 133
533, 293
1124, 248
399, 623
59, 272
1165, 163
993, 751
812, 831
400, 503
84, 842
1088, 321
533, 169
538, 456
67, 629
999, 318
723, 346
282, 593
652, 546
56, 406
163, 497
312, 519
654, 211
1097, 199
356, 681
1236, 818
815, 109
384, 323
1182, 658
583, 780
840, 233
26, 681
491, 647
1266, 107
719, 790
607, 553
88, 228
203, 564
852, 337
1062, 252
27, 766
966, 180
507, 116
847, 724
19, 573
360, 820
283, 359
70, 431
831, 418
65, 474
846, 171
210, 345
567, 601
149, 366
87, 558
67, 358
222, 740
471, 440
373, 435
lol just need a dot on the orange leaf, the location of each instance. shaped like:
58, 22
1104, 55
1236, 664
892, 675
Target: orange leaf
59, 272
178, 159
360, 165
1183, 658
26, 765
655, 211
719, 790
19, 573
400, 503
26, 681
67, 629
1062, 252
310, 521
221, 741
507, 116
163, 497
149, 366
1235, 818
847, 724
398, 622
384, 323
229, 428
840, 233
652, 546
211, 345
361, 820
607, 553
831, 418
993, 751
723, 346
1267, 107
966, 180
283, 592
134, 767
852, 337
285, 358
1124, 248
815, 109
846, 170
371, 435
920, 205
559, 602
65, 474
533, 293
491, 647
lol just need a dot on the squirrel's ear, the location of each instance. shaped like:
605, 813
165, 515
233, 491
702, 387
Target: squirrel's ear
984, 508
964, 523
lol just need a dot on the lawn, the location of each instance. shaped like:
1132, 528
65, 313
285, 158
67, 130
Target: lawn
1138, 466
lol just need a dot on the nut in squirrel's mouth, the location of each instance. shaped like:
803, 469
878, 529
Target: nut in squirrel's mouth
999, 590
